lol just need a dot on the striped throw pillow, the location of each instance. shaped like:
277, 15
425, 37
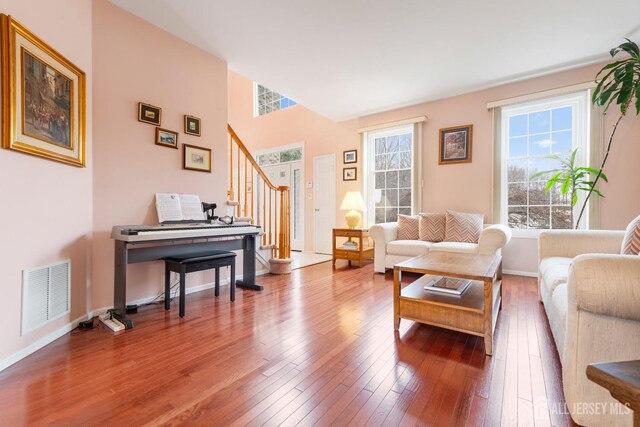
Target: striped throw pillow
631, 241
432, 227
463, 227
408, 227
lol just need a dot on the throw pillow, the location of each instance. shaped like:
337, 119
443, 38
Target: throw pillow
408, 227
631, 241
432, 227
463, 227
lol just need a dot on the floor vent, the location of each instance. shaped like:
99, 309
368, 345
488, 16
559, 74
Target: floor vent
45, 294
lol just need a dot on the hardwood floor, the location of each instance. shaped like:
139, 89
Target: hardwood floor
315, 347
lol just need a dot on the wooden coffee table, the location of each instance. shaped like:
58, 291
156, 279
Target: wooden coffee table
474, 312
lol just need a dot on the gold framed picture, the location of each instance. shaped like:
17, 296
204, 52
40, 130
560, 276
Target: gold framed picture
167, 138
197, 158
455, 145
192, 125
43, 98
148, 113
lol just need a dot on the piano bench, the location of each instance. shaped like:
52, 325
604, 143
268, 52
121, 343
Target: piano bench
184, 264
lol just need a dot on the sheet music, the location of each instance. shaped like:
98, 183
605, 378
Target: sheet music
168, 207
191, 207
179, 207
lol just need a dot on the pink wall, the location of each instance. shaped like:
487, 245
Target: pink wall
46, 206
622, 201
292, 125
136, 61
466, 187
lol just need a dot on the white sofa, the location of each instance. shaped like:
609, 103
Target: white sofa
591, 295
389, 251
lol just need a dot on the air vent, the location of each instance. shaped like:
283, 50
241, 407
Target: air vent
45, 294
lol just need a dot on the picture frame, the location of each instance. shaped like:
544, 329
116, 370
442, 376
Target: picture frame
350, 174
148, 113
166, 138
455, 145
192, 125
43, 98
350, 156
196, 158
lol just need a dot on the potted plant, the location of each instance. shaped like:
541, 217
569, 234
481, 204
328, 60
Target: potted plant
571, 178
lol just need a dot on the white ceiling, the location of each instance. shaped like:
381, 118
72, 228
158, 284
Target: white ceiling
348, 58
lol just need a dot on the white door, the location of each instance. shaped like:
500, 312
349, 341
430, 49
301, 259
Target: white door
324, 203
290, 174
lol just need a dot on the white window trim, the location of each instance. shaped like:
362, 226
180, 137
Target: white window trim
416, 171
580, 101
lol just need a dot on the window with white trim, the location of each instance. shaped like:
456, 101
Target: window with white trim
267, 101
530, 132
390, 173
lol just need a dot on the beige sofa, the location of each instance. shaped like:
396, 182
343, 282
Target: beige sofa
591, 295
389, 251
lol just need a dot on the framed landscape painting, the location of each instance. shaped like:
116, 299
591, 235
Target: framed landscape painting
166, 138
197, 158
455, 145
350, 156
43, 96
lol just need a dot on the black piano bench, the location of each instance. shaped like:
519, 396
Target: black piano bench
184, 264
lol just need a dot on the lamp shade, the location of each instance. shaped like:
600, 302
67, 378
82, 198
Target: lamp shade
353, 201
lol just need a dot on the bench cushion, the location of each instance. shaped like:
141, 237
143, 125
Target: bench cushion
201, 256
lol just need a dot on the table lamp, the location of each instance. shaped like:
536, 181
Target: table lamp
353, 202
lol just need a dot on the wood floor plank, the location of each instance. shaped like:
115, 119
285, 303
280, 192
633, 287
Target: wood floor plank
316, 347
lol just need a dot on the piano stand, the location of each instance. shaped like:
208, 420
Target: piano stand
253, 287
127, 252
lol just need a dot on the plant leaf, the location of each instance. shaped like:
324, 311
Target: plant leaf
566, 184
574, 199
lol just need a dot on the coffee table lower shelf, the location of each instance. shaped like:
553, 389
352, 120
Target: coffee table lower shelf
465, 313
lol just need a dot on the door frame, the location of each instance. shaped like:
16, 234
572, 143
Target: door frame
315, 197
303, 214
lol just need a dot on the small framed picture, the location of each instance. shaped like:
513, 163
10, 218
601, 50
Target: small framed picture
349, 174
197, 158
167, 138
455, 145
350, 156
192, 125
149, 114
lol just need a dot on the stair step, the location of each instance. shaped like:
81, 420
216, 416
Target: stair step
265, 247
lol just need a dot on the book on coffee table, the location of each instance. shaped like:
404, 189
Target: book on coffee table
447, 285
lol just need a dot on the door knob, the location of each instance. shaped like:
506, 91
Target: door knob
317, 210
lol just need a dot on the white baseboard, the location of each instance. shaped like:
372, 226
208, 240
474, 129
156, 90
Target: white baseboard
48, 339
521, 273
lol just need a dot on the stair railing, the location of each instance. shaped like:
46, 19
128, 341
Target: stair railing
257, 200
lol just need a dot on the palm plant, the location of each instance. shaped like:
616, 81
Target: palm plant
570, 178
620, 82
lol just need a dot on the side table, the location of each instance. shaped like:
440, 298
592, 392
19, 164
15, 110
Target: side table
622, 379
361, 249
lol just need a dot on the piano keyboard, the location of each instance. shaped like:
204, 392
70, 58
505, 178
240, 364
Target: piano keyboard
141, 233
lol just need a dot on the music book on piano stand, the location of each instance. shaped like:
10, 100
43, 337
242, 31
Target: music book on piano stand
179, 207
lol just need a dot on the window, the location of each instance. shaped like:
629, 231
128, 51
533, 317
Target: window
530, 132
267, 101
282, 156
390, 173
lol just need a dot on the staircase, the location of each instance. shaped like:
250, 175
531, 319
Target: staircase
255, 199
